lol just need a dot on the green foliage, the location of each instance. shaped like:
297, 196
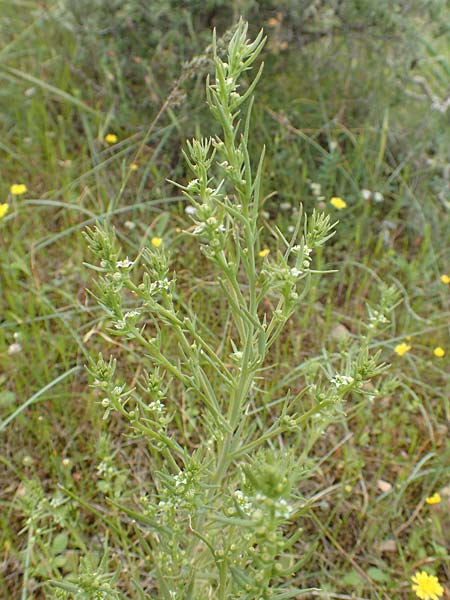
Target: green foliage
352, 104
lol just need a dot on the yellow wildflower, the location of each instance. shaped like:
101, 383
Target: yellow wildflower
338, 203
426, 587
263, 253
402, 349
156, 242
111, 138
3, 210
17, 189
445, 279
133, 167
439, 352
434, 499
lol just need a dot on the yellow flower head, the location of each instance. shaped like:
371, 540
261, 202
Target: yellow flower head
338, 203
445, 279
426, 587
133, 167
3, 210
402, 349
111, 138
263, 253
17, 189
156, 242
434, 499
439, 352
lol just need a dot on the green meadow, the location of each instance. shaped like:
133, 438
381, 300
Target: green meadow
225, 277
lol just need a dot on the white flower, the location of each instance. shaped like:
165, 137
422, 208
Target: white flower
295, 272
124, 264
190, 210
242, 501
282, 508
156, 406
163, 284
366, 194
316, 188
181, 479
199, 229
15, 348
131, 314
192, 184
333, 145
285, 206
378, 197
342, 380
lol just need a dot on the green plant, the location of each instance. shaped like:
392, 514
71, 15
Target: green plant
221, 516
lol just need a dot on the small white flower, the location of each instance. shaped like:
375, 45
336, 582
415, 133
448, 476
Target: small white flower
366, 194
378, 317
342, 380
181, 479
190, 210
199, 229
131, 314
285, 206
15, 348
242, 501
163, 284
156, 406
192, 184
333, 145
316, 188
378, 197
124, 264
282, 508
295, 272
291, 228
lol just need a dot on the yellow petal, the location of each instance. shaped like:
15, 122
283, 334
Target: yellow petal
111, 138
156, 242
439, 352
17, 189
445, 279
263, 253
434, 499
3, 209
402, 349
338, 203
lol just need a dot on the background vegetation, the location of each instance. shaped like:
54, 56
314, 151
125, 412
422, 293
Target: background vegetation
354, 97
